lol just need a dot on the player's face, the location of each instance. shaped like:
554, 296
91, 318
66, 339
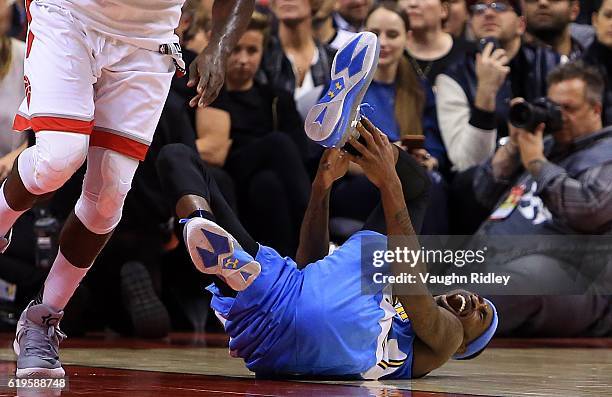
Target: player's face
391, 32
602, 20
473, 312
244, 61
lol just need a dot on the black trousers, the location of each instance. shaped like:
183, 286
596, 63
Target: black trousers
183, 173
272, 188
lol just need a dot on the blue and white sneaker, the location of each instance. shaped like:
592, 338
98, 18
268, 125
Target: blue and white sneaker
332, 121
214, 251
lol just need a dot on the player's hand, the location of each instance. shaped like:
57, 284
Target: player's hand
333, 166
208, 71
377, 157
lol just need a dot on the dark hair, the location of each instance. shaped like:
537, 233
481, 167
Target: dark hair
593, 82
409, 95
392, 6
597, 4
261, 23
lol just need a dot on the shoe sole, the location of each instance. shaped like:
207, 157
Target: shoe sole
150, 318
335, 129
195, 239
40, 372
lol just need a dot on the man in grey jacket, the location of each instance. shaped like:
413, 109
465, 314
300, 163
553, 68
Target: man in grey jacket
557, 185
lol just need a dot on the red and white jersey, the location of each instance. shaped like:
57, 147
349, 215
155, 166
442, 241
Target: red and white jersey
145, 23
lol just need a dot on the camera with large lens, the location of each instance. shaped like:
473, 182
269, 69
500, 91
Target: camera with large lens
528, 116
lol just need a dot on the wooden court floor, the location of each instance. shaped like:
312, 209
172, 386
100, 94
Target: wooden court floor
199, 365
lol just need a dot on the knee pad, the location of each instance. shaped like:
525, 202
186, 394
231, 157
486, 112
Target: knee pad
107, 182
46, 166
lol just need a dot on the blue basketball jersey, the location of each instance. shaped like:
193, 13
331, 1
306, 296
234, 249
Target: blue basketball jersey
325, 320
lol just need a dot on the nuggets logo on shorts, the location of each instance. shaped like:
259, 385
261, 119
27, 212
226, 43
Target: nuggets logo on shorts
28, 89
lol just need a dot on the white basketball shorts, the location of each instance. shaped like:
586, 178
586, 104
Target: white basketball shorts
79, 80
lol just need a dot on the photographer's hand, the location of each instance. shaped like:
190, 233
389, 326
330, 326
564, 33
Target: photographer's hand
531, 147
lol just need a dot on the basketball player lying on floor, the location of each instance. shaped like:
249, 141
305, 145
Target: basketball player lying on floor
309, 317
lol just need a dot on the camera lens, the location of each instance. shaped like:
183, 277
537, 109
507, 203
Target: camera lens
521, 114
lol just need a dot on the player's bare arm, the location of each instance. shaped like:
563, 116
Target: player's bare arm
439, 332
314, 234
230, 20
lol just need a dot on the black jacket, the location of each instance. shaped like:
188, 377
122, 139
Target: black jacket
527, 79
277, 68
601, 56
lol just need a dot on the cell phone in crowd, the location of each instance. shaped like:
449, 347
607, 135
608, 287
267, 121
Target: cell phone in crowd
413, 142
482, 43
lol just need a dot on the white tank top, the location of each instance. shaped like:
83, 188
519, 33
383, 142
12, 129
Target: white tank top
145, 23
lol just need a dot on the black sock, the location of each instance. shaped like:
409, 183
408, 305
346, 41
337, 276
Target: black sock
202, 214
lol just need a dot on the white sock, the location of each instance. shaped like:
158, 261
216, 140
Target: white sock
8, 216
62, 281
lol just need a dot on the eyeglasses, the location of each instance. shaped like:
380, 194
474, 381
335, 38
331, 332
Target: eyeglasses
481, 8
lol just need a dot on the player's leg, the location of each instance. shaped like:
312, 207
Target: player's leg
59, 108
415, 186
216, 240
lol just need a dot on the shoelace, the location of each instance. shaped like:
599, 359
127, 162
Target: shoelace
42, 341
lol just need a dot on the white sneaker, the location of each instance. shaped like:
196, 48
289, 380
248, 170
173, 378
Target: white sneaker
214, 251
332, 121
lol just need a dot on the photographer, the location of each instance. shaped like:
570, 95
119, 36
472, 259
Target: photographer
560, 184
473, 94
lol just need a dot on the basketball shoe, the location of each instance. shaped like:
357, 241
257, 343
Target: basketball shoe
37, 342
332, 121
214, 251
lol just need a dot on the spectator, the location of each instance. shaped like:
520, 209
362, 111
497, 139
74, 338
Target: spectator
256, 134
397, 98
560, 185
293, 60
351, 14
430, 51
194, 25
600, 53
393, 101
456, 23
548, 23
325, 29
395, 95
473, 94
